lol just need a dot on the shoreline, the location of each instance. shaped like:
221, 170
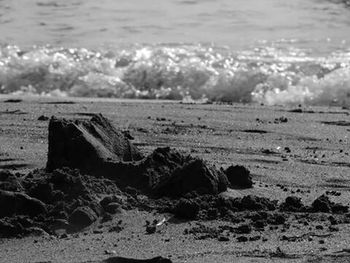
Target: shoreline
305, 150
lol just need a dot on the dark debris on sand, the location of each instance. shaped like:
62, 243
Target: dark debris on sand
131, 260
93, 171
13, 101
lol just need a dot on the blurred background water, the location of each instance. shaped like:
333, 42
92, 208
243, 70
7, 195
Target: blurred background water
266, 51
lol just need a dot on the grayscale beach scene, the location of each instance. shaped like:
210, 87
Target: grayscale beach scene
174, 131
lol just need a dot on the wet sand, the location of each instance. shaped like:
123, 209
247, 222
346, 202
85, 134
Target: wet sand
290, 151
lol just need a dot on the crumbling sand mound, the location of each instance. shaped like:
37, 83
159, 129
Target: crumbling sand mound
62, 199
10, 181
86, 144
66, 200
239, 176
251, 213
169, 173
14, 203
87, 160
97, 148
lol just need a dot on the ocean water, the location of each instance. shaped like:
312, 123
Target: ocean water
254, 51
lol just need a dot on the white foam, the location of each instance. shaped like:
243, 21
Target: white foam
264, 75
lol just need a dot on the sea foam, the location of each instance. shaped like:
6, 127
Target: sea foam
268, 75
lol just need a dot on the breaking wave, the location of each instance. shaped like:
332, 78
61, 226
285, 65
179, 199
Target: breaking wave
269, 75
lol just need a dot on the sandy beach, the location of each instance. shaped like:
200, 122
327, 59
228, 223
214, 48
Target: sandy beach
289, 151
180, 131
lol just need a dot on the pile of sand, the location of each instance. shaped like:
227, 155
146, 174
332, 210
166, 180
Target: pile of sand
87, 145
99, 149
93, 170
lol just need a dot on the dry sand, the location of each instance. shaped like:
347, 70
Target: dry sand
303, 153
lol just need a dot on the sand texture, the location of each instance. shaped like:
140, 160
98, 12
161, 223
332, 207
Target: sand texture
289, 151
